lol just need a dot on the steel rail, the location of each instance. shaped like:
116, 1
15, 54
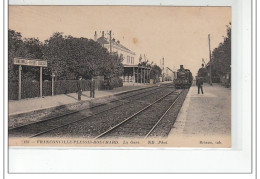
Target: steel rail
77, 111
163, 115
46, 131
112, 128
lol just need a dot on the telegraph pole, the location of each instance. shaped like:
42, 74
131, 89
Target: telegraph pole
210, 80
110, 39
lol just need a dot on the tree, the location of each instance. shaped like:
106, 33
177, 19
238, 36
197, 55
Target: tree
155, 73
203, 72
56, 54
26, 48
32, 48
113, 67
15, 45
221, 56
70, 57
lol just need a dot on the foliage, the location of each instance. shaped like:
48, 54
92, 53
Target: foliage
14, 49
31, 89
116, 82
202, 72
68, 57
221, 56
28, 48
156, 72
113, 66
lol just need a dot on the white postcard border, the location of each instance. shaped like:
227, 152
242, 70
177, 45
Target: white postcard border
235, 160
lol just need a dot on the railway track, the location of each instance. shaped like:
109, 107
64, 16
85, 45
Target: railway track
142, 123
57, 122
129, 95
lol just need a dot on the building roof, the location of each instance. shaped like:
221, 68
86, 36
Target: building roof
102, 40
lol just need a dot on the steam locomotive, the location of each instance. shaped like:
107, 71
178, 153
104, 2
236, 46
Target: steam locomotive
184, 78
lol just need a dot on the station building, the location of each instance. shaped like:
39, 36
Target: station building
133, 73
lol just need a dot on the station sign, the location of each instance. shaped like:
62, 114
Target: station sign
30, 62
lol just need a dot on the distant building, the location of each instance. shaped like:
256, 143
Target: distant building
131, 69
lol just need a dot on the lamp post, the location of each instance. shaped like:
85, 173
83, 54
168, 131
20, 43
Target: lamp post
20, 83
52, 83
40, 81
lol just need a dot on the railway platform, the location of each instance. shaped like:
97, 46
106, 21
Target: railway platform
204, 115
30, 105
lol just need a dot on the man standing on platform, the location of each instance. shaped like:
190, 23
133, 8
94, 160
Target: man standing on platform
92, 88
200, 85
80, 87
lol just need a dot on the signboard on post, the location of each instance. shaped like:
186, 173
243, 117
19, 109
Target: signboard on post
29, 62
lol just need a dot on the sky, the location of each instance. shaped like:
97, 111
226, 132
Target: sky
179, 34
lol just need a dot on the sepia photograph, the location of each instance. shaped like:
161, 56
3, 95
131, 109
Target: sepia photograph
119, 76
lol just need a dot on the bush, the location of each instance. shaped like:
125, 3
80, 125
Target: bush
116, 82
31, 89
46, 88
100, 84
65, 86
13, 91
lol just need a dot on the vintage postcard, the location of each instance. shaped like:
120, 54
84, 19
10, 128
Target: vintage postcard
119, 76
